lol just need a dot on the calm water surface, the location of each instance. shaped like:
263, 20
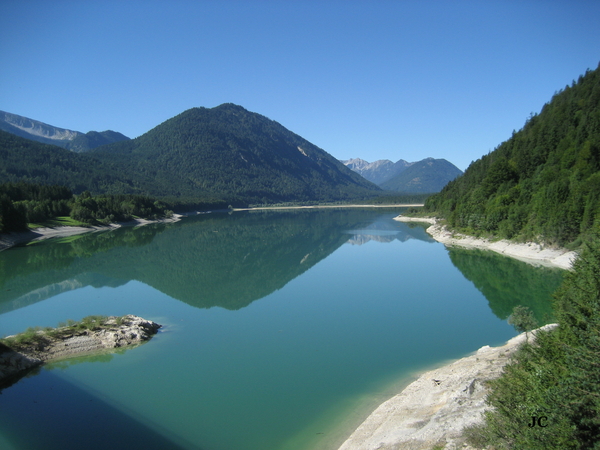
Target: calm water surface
282, 330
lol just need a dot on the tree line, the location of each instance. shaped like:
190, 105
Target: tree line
541, 184
25, 203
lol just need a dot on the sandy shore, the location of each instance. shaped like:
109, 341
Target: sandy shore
8, 240
434, 409
529, 252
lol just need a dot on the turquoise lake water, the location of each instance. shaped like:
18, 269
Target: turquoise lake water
281, 330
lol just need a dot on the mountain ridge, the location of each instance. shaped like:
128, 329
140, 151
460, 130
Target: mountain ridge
426, 176
229, 149
225, 153
378, 171
75, 141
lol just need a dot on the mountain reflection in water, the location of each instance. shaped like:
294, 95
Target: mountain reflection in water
231, 260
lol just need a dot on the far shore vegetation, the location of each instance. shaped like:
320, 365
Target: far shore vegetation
28, 206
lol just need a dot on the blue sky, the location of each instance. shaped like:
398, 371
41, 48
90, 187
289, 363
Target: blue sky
369, 79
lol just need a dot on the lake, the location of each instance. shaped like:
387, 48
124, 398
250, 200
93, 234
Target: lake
282, 330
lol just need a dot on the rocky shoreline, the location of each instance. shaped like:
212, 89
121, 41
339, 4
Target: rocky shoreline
433, 410
8, 240
529, 252
70, 342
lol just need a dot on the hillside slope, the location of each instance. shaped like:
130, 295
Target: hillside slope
229, 151
543, 183
24, 160
61, 137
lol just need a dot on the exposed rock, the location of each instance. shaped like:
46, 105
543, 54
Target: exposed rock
126, 331
530, 252
433, 410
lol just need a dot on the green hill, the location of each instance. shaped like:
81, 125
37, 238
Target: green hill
423, 177
541, 184
24, 160
229, 151
224, 154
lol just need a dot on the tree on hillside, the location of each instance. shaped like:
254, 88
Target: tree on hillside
549, 396
543, 183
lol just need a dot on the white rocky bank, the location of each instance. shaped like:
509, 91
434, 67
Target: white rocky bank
529, 252
433, 410
132, 330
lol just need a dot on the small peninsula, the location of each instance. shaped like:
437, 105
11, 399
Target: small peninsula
23, 352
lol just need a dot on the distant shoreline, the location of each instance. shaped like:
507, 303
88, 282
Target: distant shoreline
406, 205
529, 252
8, 240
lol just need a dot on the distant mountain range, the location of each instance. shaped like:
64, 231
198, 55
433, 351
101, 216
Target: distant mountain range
379, 171
48, 134
224, 153
426, 176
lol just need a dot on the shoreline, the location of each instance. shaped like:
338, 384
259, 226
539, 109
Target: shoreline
402, 205
130, 332
530, 252
435, 408
8, 240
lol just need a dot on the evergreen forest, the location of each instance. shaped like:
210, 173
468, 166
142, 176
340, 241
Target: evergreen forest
222, 155
554, 377
543, 183
22, 204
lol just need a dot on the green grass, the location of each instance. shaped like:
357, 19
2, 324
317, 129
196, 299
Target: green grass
60, 221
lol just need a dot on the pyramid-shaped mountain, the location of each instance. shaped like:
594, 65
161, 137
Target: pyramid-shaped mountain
229, 152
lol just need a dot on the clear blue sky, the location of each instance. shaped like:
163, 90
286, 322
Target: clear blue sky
370, 79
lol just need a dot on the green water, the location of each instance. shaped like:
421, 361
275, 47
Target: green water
281, 329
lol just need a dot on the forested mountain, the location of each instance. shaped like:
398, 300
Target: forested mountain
23, 160
543, 183
426, 176
378, 171
223, 154
229, 151
48, 134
